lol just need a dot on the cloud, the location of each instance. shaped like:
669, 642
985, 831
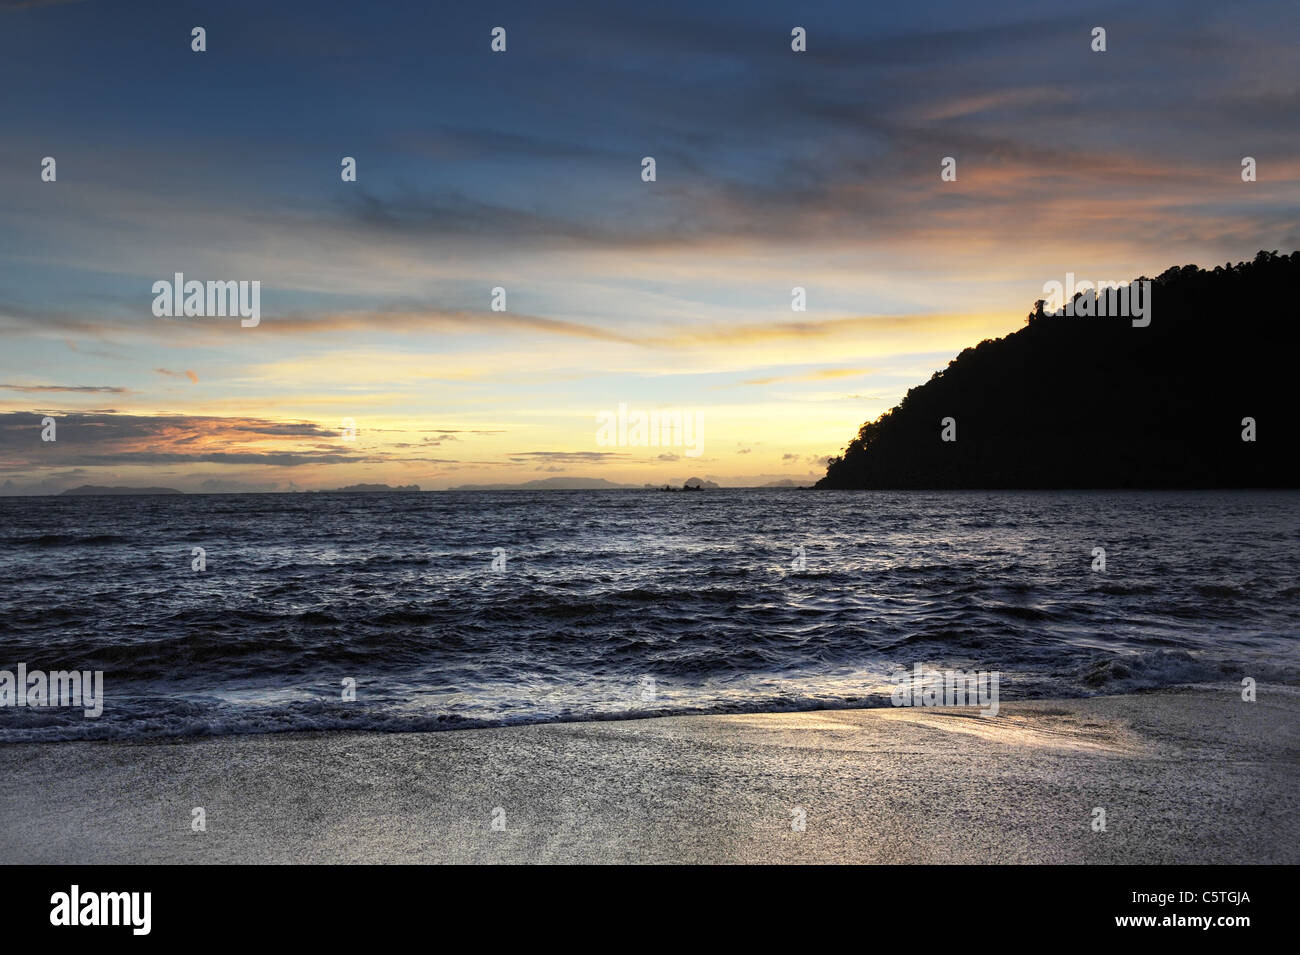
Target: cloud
820, 170
35, 389
401, 317
571, 456
819, 374
105, 440
426, 319
32, 4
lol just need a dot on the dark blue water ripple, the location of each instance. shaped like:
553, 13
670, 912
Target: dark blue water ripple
604, 591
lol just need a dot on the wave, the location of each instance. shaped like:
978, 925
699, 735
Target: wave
66, 540
603, 590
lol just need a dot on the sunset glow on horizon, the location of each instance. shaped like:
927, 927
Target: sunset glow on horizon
522, 171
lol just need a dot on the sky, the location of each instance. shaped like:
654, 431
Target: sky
522, 170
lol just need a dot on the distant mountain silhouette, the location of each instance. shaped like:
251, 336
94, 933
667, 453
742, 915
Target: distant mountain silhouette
549, 484
1088, 402
377, 489
93, 490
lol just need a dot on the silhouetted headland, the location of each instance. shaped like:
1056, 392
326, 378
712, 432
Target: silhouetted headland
1095, 402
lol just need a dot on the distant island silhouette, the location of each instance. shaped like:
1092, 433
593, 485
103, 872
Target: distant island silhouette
551, 484
376, 489
1090, 402
96, 490
692, 484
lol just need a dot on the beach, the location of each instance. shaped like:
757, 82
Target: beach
1191, 775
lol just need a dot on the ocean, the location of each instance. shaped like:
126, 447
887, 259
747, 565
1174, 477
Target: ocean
448, 610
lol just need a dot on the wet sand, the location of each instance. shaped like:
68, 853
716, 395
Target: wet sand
1185, 776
